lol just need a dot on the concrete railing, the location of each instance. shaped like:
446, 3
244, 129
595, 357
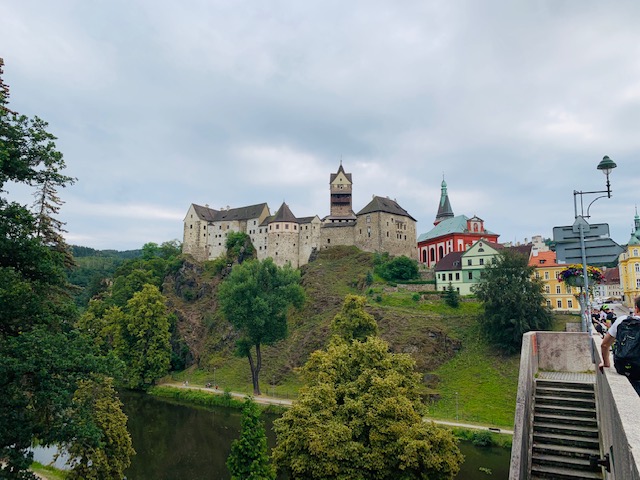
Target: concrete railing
521, 446
550, 351
618, 407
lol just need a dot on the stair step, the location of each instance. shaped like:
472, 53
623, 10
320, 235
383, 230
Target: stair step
565, 450
568, 440
562, 461
565, 401
565, 392
564, 429
565, 384
563, 419
543, 471
566, 410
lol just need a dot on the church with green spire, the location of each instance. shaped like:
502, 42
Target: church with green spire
629, 265
451, 233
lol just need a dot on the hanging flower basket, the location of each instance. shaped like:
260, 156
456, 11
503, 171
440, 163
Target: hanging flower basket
574, 275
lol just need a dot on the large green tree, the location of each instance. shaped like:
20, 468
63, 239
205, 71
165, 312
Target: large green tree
512, 301
42, 358
359, 415
142, 337
248, 459
107, 451
255, 298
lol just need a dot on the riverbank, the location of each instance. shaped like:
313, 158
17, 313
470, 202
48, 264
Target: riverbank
266, 400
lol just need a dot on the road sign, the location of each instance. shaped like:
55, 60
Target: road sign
571, 233
599, 251
599, 248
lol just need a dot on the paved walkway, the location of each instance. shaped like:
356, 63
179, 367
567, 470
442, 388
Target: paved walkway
266, 400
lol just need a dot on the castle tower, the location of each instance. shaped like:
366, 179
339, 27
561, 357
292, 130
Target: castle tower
341, 196
283, 237
444, 208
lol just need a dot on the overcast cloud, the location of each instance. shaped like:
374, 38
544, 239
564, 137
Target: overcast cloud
158, 104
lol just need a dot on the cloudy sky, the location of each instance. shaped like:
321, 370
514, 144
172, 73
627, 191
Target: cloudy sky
159, 104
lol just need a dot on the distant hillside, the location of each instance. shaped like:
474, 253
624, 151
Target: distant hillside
93, 267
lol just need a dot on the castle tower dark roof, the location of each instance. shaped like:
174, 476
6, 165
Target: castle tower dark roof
382, 204
284, 214
340, 169
444, 208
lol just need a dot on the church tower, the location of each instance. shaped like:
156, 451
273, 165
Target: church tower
341, 196
444, 208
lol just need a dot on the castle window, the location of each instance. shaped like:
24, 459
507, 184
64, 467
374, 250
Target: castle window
278, 226
190, 226
360, 231
405, 237
219, 227
328, 240
387, 234
295, 227
254, 222
368, 218
286, 227
569, 304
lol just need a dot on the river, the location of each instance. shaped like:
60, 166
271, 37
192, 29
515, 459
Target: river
179, 442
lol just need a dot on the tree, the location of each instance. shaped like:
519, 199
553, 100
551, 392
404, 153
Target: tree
398, 268
512, 300
255, 299
248, 459
239, 247
452, 297
352, 322
106, 451
142, 338
42, 358
359, 416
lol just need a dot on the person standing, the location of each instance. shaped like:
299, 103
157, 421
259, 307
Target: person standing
630, 343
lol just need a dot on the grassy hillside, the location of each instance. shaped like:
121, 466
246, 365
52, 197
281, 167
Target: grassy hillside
464, 377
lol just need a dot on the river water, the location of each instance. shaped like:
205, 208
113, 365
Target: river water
177, 442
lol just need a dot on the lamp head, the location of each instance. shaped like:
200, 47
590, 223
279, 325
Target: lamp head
606, 165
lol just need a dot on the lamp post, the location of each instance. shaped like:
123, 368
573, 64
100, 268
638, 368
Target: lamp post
606, 166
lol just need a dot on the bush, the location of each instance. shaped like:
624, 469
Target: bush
482, 438
416, 297
399, 268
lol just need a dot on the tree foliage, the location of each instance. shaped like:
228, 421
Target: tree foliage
512, 301
248, 459
42, 358
397, 268
352, 322
106, 452
452, 297
359, 416
255, 299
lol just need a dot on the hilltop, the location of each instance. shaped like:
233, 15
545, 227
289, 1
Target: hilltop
414, 322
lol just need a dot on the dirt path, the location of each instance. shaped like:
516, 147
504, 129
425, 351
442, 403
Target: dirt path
266, 400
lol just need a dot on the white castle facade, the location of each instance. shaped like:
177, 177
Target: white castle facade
381, 226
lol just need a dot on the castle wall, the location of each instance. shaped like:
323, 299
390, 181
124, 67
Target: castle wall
195, 235
308, 239
218, 232
332, 234
283, 243
386, 232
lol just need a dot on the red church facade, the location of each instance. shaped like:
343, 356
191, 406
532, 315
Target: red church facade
451, 233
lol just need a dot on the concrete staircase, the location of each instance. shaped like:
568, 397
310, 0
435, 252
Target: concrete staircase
565, 431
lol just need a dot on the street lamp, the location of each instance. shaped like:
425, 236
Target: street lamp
606, 166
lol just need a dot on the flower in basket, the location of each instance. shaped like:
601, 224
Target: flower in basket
572, 273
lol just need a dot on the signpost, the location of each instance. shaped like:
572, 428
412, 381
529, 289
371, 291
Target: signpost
588, 245
599, 248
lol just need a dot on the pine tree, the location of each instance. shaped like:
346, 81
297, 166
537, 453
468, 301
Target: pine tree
248, 459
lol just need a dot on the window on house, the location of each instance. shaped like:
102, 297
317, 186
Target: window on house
558, 289
482, 261
546, 275
458, 276
637, 265
470, 275
537, 274
568, 289
635, 252
637, 282
469, 261
451, 277
559, 303
547, 289
569, 303
549, 303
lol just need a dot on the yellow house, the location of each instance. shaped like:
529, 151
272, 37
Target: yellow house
629, 265
559, 296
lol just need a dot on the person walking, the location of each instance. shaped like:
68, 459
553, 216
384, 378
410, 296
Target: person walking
626, 356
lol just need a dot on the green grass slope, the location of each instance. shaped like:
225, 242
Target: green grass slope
464, 377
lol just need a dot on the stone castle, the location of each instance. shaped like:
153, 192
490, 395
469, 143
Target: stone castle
381, 226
